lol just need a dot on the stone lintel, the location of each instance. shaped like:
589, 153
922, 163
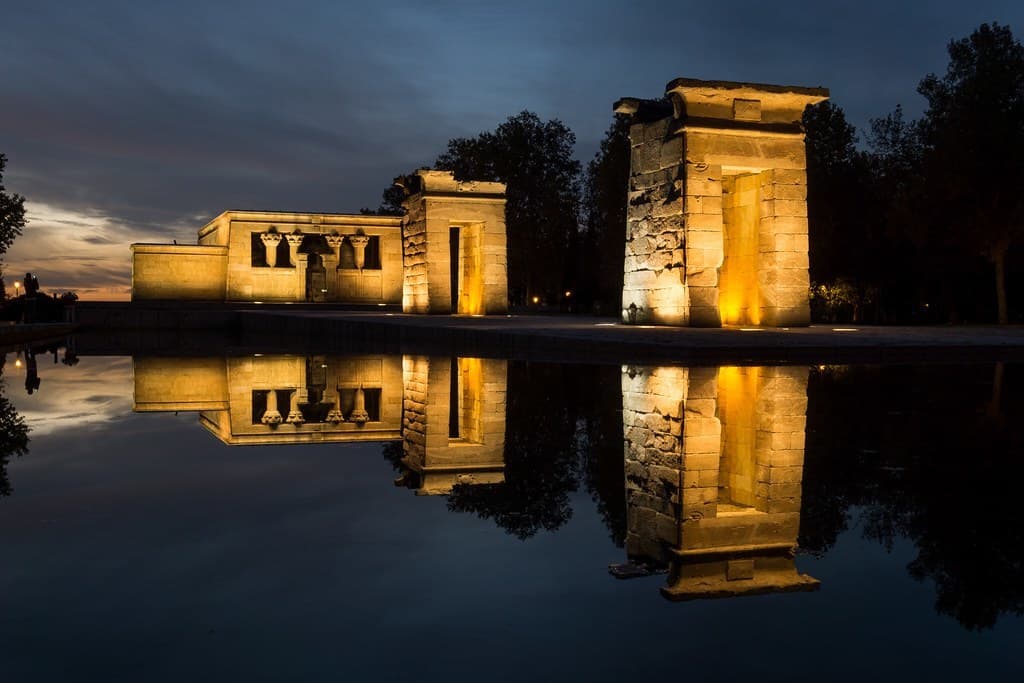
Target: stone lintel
443, 183
758, 128
741, 102
643, 110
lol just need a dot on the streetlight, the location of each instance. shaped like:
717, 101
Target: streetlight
17, 289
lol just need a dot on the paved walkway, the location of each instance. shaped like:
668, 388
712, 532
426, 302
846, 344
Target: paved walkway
602, 339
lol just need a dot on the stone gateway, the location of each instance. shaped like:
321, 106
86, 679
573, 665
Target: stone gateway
716, 228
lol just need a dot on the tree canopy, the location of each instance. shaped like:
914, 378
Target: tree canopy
973, 139
603, 242
534, 159
12, 212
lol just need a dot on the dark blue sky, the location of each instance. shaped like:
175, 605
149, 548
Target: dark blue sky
131, 121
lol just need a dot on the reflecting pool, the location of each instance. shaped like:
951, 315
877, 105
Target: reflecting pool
372, 517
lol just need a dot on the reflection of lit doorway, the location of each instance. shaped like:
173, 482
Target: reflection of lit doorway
465, 400
316, 279
467, 269
738, 392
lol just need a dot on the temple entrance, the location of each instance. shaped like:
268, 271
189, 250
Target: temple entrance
467, 268
739, 287
453, 253
316, 279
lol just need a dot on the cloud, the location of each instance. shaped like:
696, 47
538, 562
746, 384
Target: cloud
67, 398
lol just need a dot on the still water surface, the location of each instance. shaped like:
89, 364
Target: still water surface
389, 518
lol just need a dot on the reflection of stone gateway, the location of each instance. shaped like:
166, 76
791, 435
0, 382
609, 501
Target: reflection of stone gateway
714, 464
448, 413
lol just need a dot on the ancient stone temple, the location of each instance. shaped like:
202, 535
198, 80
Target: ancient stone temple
714, 465
716, 228
446, 256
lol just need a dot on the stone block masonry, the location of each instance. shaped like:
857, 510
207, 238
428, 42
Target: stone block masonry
716, 222
454, 245
713, 462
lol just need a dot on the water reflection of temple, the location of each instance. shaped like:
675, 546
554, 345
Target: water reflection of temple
714, 464
449, 413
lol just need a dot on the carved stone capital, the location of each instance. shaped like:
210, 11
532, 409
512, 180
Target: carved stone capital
271, 238
294, 239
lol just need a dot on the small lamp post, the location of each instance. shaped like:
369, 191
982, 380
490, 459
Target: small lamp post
17, 289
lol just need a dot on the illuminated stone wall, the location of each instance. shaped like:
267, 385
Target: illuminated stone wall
440, 210
269, 256
454, 234
177, 271
714, 462
453, 432
330, 234
717, 215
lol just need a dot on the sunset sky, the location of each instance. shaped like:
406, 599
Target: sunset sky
139, 121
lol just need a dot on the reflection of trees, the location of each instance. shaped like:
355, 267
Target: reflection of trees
13, 435
541, 464
927, 458
563, 429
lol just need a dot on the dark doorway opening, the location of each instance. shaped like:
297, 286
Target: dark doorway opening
453, 246
316, 278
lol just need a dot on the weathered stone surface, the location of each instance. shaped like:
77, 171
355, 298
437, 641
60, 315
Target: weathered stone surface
682, 173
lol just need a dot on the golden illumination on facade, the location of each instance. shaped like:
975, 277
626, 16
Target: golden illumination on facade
717, 216
714, 464
739, 290
448, 255
454, 245
448, 413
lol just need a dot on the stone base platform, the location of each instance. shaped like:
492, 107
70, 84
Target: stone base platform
293, 329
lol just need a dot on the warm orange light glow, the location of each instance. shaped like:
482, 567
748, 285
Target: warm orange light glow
471, 384
536, 299
568, 294
17, 363
738, 390
739, 291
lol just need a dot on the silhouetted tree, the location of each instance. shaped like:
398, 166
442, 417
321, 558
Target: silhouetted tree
534, 159
12, 217
12, 212
841, 273
603, 242
973, 132
541, 460
390, 205
898, 255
